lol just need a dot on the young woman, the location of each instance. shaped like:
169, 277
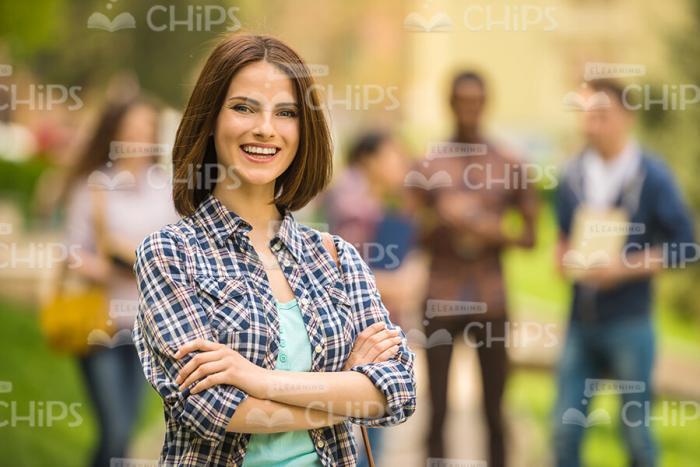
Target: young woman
113, 183
262, 348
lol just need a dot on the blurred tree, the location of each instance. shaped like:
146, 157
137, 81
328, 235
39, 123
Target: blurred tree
675, 134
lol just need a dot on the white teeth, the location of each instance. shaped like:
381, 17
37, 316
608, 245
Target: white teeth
259, 150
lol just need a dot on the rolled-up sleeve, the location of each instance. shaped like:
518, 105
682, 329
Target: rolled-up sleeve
170, 315
395, 378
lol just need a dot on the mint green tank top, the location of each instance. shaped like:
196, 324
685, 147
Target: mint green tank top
292, 448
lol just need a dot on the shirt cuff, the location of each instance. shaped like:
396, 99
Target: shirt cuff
396, 382
209, 412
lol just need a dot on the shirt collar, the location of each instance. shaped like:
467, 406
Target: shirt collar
221, 223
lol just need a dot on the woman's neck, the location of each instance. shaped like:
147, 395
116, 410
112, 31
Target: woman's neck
251, 202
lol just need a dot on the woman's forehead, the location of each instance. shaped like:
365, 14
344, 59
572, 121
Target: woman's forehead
261, 81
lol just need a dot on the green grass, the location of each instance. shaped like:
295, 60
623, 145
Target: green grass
530, 396
38, 375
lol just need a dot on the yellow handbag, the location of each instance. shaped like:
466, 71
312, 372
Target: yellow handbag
69, 317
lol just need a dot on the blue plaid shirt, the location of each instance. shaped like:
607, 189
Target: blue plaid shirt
201, 278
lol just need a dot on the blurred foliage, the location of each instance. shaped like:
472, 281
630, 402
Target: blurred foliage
52, 39
675, 134
18, 182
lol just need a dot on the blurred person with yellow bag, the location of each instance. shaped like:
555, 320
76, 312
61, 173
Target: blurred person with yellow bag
115, 196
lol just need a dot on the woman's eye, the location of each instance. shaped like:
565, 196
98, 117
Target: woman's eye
288, 113
242, 108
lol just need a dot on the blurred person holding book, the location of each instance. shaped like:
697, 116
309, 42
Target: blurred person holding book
622, 220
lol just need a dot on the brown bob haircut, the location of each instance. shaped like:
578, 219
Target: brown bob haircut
194, 151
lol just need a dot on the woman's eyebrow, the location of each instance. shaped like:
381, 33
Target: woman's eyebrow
247, 100
255, 103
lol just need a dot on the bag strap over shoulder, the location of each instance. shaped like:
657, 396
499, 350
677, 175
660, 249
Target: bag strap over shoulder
329, 244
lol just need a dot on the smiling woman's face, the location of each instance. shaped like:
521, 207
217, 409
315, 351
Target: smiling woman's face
257, 130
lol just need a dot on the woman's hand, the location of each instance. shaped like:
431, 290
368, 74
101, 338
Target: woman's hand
218, 364
375, 344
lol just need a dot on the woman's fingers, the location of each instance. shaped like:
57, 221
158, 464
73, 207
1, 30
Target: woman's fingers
368, 337
209, 381
197, 344
377, 339
196, 362
202, 371
387, 354
379, 348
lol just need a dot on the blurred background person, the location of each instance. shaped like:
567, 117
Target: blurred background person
365, 207
461, 204
116, 179
610, 332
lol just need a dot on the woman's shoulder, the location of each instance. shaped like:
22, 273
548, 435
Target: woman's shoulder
313, 240
171, 238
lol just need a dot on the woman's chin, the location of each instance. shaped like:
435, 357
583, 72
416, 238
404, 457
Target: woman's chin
257, 177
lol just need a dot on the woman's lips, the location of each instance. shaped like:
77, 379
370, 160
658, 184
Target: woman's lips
259, 153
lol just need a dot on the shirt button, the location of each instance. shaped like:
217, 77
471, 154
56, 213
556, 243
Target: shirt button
286, 263
318, 348
320, 443
283, 343
283, 358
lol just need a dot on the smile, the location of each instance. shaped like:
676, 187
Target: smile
259, 153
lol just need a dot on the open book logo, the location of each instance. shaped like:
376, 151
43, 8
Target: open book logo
417, 338
440, 22
580, 103
121, 21
119, 181
574, 259
278, 418
574, 416
101, 338
416, 179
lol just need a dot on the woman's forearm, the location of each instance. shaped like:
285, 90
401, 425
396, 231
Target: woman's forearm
343, 393
255, 415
